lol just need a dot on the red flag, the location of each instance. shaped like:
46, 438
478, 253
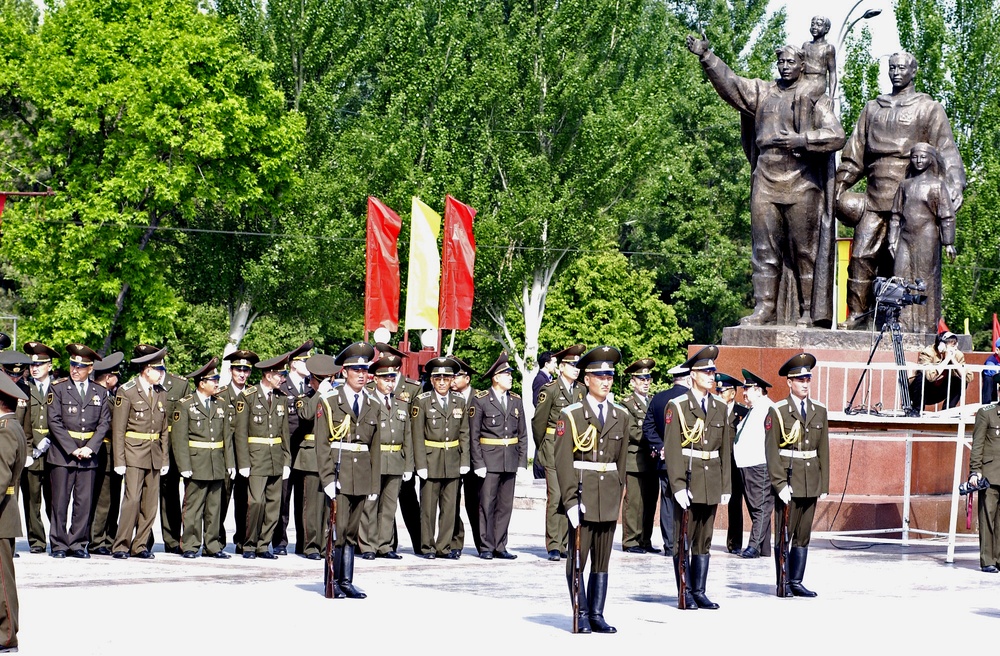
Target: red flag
457, 263
382, 260
3, 200
996, 332
943, 327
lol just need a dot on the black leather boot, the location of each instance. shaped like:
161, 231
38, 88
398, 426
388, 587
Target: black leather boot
699, 575
689, 603
796, 568
337, 557
347, 575
583, 617
597, 592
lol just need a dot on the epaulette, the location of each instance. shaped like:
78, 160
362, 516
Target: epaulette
619, 406
249, 389
483, 394
60, 380
185, 399
423, 395
678, 400
573, 406
514, 395
412, 382
221, 390
817, 403
780, 404
127, 386
550, 383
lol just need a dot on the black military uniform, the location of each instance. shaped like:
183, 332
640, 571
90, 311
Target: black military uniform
798, 442
35, 480
642, 484
311, 510
698, 438
498, 438
235, 489
591, 451
349, 458
107, 484
79, 419
724, 383
295, 388
552, 399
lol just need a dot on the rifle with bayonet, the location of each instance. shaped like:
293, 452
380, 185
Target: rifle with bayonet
577, 556
682, 547
783, 540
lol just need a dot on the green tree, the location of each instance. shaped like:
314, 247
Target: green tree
860, 82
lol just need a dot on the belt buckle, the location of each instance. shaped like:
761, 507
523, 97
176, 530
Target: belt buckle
706, 455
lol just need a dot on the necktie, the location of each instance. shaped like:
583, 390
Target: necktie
802, 409
503, 402
208, 407
387, 406
302, 386
355, 407
600, 414
703, 410
83, 390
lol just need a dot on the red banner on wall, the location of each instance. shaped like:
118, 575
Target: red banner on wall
382, 261
457, 264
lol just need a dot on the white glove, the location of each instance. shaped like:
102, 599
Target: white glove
29, 461
407, 476
325, 387
373, 497
786, 494
463, 470
245, 472
285, 473
574, 514
44, 445
186, 474
422, 473
571, 516
232, 473
36, 454
823, 496
481, 472
120, 471
339, 486
683, 498
331, 490
725, 499
164, 469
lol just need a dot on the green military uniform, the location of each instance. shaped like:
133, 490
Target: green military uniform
234, 488
642, 482
799, 442
553, 398
396, 447
295, 390
985, 462
175, 388
203, 445
107, 484
13, 453
409, 504
141, 445
591, 451
34, 480
261, 444
314, 511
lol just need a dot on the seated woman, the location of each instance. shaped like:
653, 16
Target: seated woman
937, 384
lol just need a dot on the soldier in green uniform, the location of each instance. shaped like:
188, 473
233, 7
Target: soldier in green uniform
79, 418
985, 463
107, 484
498, 437
725, 391
440, 428
698, 438
642, 483
241, 363
591, 450
203, 449
140, 441
13, 455
797, 439
396, 445
35, 480
262, 453
552, 399
349, 458
296, 388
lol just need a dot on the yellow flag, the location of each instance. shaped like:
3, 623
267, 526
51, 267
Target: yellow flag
422, 281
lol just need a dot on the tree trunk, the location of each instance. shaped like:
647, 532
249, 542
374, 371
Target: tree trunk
241, 317
120, 301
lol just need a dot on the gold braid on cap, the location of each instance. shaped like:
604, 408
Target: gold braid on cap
792, 436
585, 442
694, 434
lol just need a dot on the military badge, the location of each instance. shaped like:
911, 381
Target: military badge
560, 428
177, 415
21, 403
767, 423
48, 399
239, 406
472, 411
517, 414
159, 406
96, 400
298, 404
319, 411
541, 397
669, 416
457, 413
401, 414
414, 411
404, 397
281, 410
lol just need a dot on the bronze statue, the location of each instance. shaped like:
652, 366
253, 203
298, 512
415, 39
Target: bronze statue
923, 220
879, 150
820, 73
791, 203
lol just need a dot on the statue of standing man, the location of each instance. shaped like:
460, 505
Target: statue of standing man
791, 222
879, 150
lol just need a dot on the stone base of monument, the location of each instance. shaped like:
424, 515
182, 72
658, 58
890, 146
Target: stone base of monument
869, 460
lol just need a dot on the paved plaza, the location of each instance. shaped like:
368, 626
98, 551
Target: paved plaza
880, 597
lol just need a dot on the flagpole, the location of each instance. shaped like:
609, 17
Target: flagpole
451, 343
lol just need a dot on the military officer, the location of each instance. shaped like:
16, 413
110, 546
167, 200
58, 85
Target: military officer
140, 441
349, 458
642, 484
725, 391
440, 428
498, 438
797, 447
295, 387
107, 484
396, 445
203, 450
241, 363
552, 399
262, 453
13, 455
35, 479
79, 417
698, 437
984, 463
591, 451
469, 483
305, 470
409, 506
16, 366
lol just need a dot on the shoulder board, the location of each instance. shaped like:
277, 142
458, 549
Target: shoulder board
249, 389
781, 404
549, 384
514, 395
412, 382
573, 406
127, 386
59, 380
186, 398
222, 390
678, 400
483, 394
817, 404
423, 395
619, 406
371, 395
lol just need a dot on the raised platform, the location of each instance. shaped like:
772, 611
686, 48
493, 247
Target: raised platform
800, 339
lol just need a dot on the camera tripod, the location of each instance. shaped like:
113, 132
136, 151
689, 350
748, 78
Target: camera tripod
892, 322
